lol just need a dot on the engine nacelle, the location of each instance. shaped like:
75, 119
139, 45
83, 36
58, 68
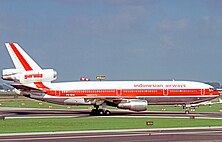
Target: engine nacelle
134, 105
17, 75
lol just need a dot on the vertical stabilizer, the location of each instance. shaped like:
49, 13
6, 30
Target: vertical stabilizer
20, 58
26, 71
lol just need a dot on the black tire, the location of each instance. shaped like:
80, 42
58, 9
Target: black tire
101, 112
107, 112
187, 111
93, 112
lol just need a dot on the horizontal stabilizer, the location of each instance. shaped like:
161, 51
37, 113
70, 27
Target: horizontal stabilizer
27, 88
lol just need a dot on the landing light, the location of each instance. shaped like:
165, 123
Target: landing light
149, 123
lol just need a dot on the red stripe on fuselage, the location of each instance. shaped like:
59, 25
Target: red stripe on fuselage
24, 63
41, 85
131, 93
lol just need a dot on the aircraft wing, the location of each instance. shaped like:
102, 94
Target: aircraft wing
101, 99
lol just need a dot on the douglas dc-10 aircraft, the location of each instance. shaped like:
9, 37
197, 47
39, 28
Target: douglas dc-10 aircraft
36, 83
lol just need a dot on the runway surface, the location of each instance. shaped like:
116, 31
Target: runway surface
157, 135
41, 113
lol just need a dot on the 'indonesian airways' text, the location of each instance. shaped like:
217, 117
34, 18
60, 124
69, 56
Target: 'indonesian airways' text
159, 85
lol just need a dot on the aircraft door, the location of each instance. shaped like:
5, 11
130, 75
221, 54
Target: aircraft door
202, 91
165, 92
119, 92
57, 93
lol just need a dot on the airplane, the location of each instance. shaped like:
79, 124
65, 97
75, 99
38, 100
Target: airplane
36, 83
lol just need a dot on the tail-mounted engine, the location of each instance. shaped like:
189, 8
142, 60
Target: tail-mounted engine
46, 75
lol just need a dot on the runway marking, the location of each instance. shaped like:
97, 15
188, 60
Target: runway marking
214, 134
150, 116
73, 137
113, 131
188, 133
114, 135
23, 117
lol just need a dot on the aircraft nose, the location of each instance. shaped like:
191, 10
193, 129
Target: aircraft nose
216, 92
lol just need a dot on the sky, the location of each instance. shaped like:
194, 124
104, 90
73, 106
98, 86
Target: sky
122, 39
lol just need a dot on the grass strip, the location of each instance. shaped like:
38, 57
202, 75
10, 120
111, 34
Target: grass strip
98, 123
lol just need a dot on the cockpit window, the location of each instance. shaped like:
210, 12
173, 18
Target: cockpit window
211, 89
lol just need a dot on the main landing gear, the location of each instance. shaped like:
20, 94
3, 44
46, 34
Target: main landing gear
97, 111
188, 108
187, 111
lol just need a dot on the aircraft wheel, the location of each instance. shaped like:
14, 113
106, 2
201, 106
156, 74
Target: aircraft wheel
101, 112
107, 112
187, 111
93, 112
96, 112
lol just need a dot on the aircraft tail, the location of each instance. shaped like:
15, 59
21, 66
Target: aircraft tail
20, 58
26, 69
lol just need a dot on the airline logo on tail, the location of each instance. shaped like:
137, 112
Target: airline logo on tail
33, 76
